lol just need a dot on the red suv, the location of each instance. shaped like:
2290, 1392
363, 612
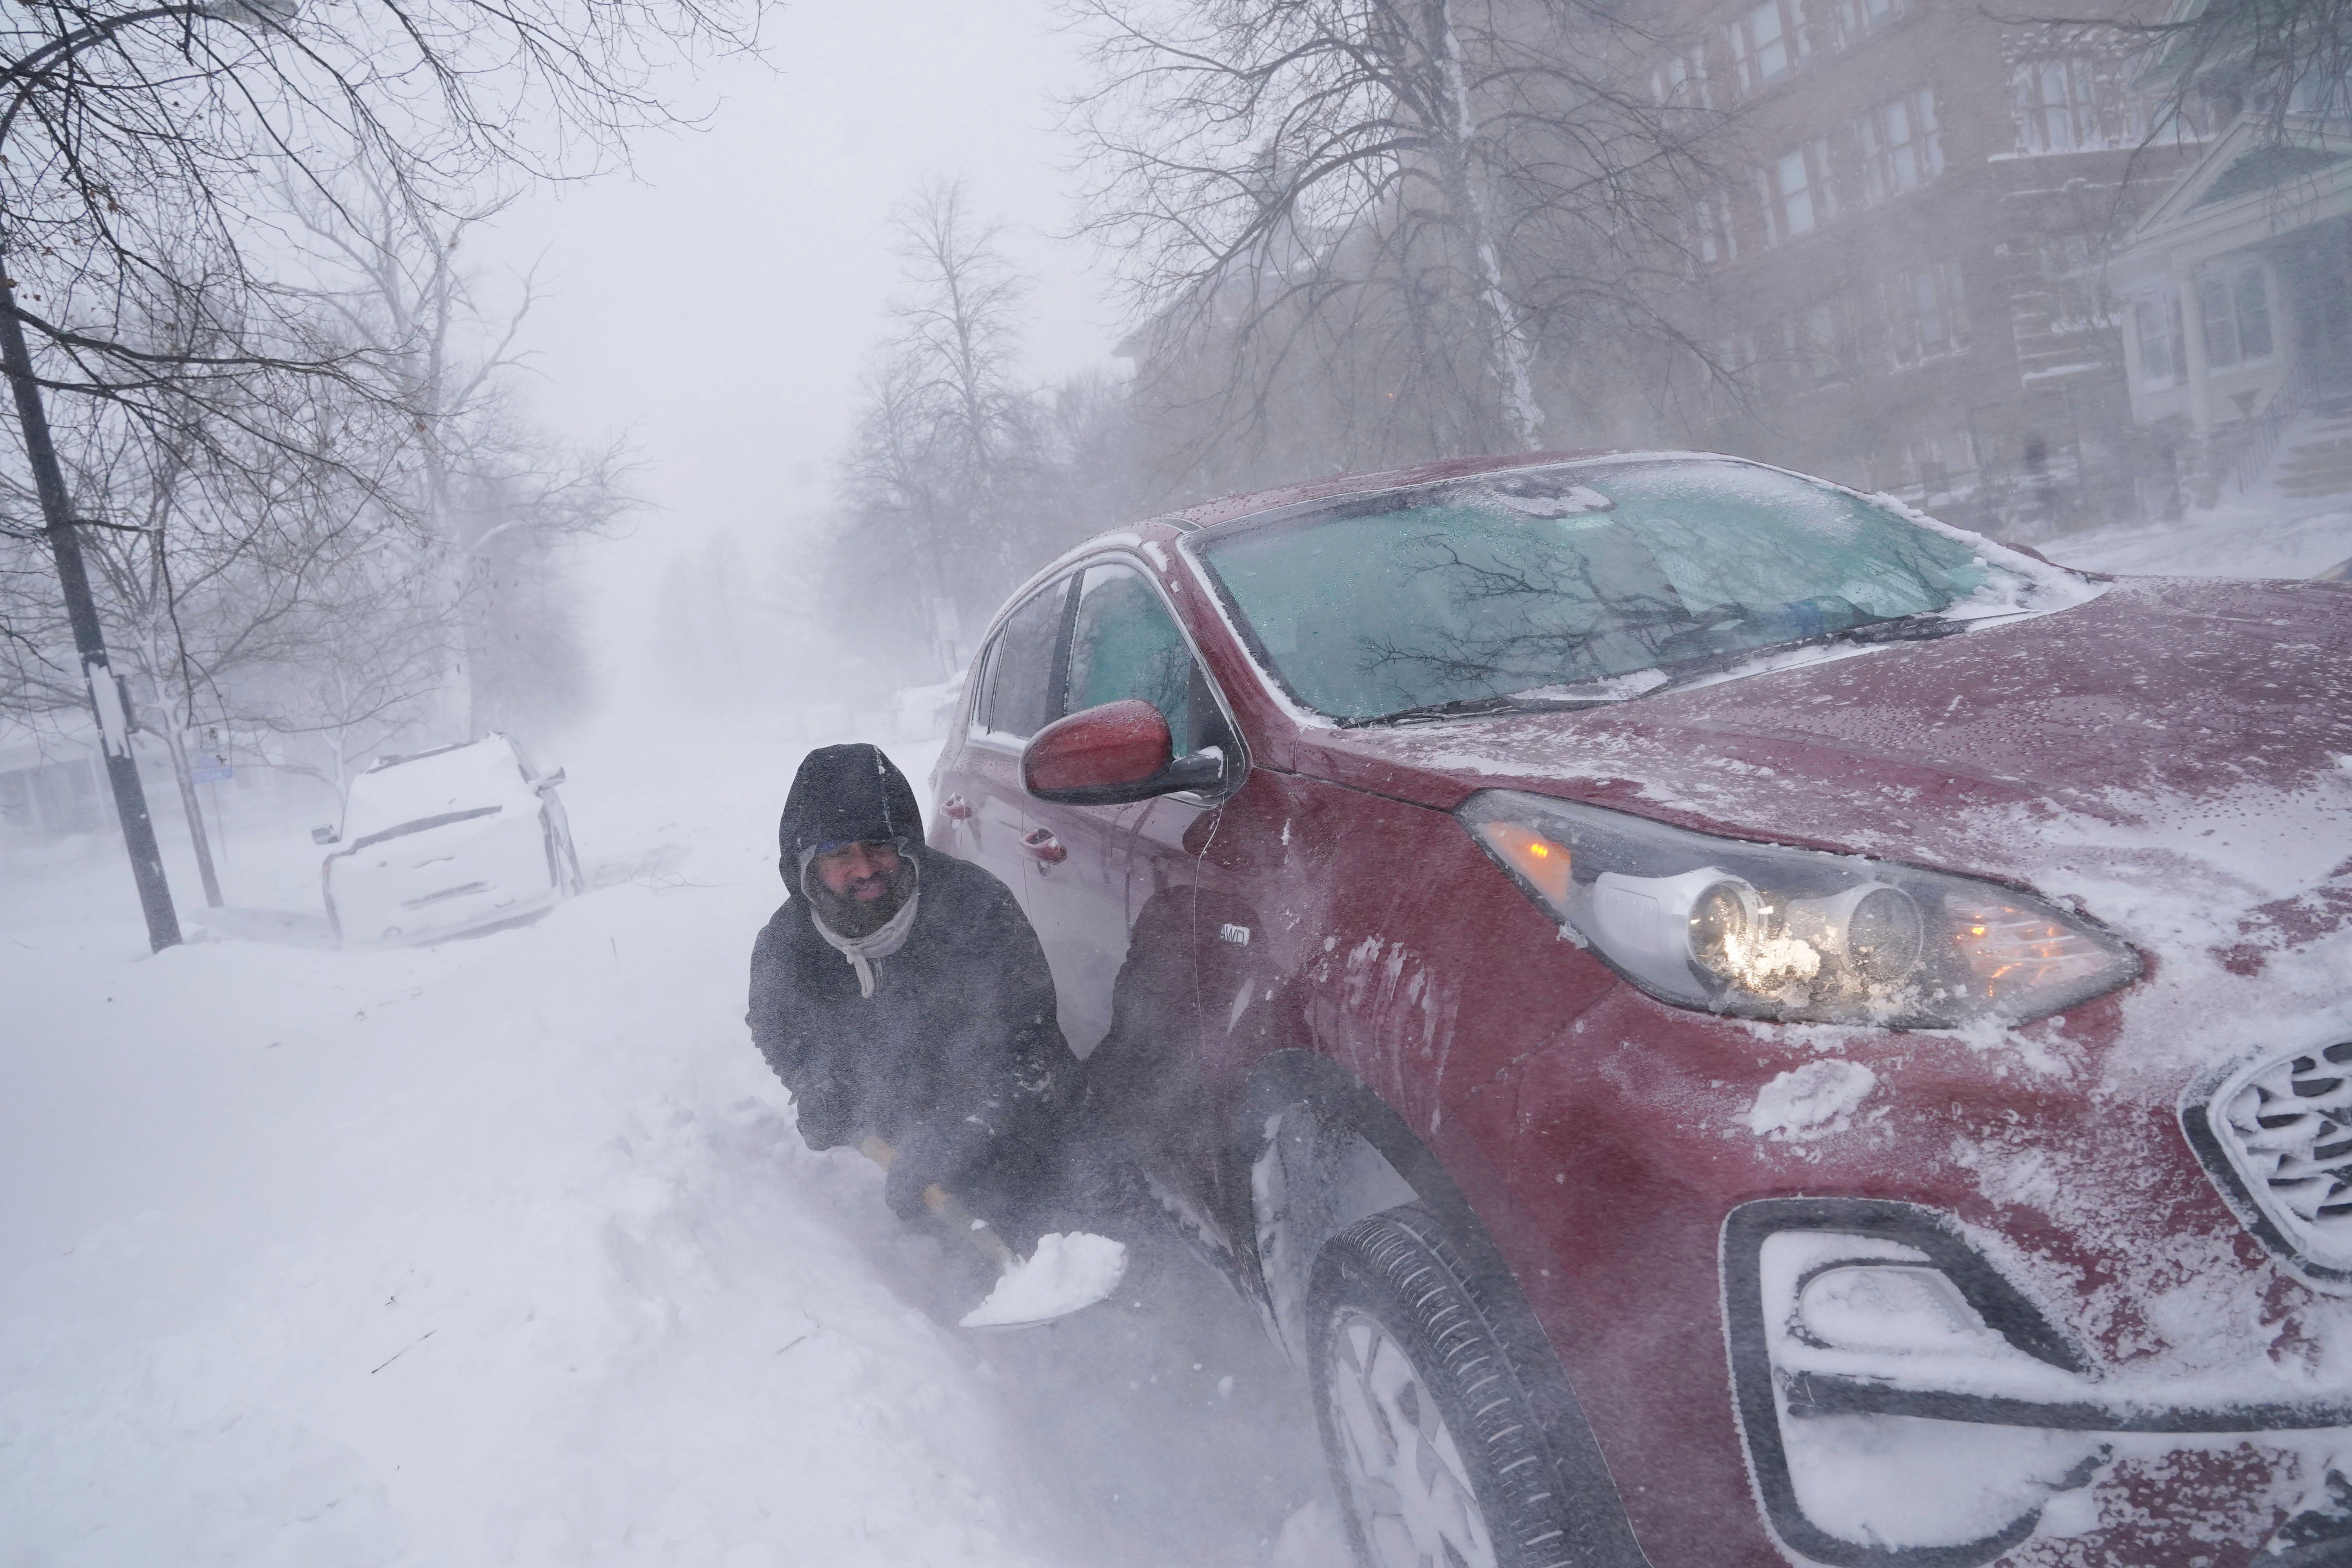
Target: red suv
1721, 1018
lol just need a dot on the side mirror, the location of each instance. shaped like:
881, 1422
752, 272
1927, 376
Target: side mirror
548, 780
325, 836
1110, 755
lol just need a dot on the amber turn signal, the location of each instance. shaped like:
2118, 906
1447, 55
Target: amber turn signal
1541, 861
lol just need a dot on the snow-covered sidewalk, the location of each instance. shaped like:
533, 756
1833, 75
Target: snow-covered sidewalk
2261, 536
506, 1251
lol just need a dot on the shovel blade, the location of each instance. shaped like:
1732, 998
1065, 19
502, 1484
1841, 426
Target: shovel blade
1067, 1274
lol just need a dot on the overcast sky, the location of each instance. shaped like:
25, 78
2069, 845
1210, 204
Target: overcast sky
718, 304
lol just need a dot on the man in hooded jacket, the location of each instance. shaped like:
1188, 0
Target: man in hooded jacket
902, 995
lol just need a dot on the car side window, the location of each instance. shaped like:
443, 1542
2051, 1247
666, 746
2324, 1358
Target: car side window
1124, 643
977, 677
1020, 695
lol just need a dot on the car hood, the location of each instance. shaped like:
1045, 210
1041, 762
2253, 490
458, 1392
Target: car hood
2174, 755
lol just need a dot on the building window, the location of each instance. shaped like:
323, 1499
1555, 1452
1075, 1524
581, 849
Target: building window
1859, 15
1839, 24
2163, 345
2236, 310
1712, 237
1767, 42
1816, 335
1797, 193
1681, 81
1801, 352
2073, 105
1927, 314
1902, 145
1936, 463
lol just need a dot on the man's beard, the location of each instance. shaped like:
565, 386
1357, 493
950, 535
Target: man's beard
845, 914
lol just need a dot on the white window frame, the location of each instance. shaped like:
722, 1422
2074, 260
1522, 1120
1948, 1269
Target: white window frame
1787, 41
2072, 103
1916, 295
1892, 165
2225, 329
2156, 322
1680, 81
1798, 193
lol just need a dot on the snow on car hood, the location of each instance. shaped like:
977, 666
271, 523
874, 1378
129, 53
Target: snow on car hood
440, 784
2175, 756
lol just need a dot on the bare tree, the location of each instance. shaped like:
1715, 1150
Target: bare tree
480, 483
1438, 195
946, 436
294, 592
135, 143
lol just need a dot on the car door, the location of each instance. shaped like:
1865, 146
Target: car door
1128, 925
986, 811
1123, 643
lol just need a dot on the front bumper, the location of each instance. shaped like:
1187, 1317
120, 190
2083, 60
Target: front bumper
1965, 1410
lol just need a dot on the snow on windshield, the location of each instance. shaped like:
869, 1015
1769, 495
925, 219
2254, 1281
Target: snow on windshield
1540, 583
460, 778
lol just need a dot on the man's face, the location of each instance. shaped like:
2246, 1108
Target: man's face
860, 873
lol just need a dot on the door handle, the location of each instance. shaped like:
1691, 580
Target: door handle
1042, 846
955, 805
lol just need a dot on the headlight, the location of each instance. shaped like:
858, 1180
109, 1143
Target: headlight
1793, 934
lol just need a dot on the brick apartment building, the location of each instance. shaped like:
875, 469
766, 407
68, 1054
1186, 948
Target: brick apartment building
1900, 281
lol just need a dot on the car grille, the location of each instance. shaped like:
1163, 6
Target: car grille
2285, 1124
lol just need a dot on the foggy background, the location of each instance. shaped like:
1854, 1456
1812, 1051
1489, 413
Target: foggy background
718, 302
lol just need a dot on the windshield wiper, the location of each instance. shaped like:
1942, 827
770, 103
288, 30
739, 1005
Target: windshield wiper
1897, 628
1477, 706
1902, 628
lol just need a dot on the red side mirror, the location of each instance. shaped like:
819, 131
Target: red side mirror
1099, 756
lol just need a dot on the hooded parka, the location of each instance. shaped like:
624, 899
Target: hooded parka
955, 1059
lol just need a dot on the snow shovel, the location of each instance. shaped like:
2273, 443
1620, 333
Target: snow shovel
1065, 1274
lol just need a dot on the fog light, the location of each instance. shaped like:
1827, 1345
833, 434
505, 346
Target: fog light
1890, 1306
1888, 1296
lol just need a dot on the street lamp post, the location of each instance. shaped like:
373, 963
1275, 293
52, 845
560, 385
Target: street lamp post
58, 522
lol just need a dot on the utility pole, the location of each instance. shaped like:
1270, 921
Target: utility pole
89, 638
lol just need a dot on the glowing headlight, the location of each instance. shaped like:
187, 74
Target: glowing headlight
1793, 934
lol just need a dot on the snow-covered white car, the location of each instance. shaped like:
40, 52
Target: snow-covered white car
447, 842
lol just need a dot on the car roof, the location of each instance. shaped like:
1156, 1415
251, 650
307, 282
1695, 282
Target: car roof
1227, 508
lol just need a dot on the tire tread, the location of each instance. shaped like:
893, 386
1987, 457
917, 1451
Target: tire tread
1403, 1256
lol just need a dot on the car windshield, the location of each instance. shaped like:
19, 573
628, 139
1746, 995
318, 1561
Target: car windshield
1591, 584
435, 784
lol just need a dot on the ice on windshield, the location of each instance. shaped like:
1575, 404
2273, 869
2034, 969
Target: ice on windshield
459, 778
1469, 593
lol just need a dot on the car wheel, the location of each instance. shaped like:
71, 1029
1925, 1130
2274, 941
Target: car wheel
1434, 1445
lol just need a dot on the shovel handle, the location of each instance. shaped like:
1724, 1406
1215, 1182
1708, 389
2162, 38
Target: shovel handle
944, 1204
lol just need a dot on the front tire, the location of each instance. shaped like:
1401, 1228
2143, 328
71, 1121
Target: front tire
1436, 1450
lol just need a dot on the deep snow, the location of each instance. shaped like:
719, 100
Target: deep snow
506, 1251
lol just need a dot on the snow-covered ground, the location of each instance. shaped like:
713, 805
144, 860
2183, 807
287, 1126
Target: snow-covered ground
2256, 536
506, 1251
